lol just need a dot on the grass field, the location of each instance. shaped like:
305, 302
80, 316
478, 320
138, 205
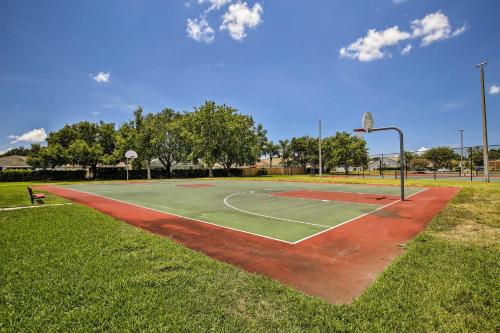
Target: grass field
71, 268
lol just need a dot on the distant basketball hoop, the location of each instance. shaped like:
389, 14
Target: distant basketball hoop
130, 155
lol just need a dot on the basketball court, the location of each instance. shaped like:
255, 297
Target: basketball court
329, 240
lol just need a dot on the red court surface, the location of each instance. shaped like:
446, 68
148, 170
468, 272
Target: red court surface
377, 199
336, 265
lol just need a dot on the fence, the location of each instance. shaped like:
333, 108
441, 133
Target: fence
468, 162
249, 172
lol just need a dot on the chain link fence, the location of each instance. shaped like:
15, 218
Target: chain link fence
466, 164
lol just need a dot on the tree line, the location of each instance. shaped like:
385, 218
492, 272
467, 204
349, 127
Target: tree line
211, 134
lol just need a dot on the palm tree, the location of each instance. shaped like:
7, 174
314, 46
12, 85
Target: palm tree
284, 150
272, 150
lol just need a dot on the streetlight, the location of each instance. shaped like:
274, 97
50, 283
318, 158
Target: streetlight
462, 152
485, 127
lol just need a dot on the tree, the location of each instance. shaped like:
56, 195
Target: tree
86, 144
85, 155
271, 150
346, 150
171, 141
284, 151
409, 157
221, 135
440, 157
48, 157
142, 138
494, 154
303, 151
21, 151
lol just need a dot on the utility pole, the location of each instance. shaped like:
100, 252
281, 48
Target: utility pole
461, 152
319, 142
485, 127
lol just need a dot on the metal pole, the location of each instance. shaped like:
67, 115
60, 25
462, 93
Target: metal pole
485, 127
461, 152
381, 166
127, 168
319, 142
470, 163
401, 152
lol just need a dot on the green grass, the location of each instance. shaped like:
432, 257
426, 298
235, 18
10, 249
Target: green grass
16, 194
70, 268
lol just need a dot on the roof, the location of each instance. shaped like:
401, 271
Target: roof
14, 161
266, 162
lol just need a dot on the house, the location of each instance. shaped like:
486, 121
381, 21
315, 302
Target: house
14, 162
266, 163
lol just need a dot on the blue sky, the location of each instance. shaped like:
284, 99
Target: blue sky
287, 63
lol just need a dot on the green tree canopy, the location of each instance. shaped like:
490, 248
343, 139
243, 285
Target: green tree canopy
346, 150
221, 135
304, 150
440, 157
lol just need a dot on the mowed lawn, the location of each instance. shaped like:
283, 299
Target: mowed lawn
70, 268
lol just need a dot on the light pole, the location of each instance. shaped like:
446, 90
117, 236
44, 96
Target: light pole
485, 127
319, 142
461, 152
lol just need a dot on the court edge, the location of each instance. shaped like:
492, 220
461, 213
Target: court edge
243, 231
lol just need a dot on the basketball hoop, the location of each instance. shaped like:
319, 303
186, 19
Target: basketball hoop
359, 133
367, 122
130, 155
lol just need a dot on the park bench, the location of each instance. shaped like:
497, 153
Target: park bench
35, 196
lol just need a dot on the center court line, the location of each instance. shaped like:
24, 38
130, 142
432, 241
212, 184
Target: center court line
266, 216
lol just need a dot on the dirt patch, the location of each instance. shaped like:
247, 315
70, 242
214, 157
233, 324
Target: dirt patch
472, 233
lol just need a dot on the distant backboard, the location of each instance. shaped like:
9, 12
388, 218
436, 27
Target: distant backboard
130, 154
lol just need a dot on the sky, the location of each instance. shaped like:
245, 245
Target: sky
287, 63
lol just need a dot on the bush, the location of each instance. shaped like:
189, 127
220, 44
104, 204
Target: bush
40, 175
109, 174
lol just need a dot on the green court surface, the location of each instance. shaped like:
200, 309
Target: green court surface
250, 206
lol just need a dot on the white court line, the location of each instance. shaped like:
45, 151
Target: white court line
29, 207
266, 216
176, 215
358, 217
247, 232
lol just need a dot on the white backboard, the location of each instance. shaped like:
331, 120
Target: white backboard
130, 154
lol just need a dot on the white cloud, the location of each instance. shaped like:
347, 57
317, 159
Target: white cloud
33, 136
239, 17
215, 4
434, 27
431, 28
397, 2
494, 89
406, 50
200, 30
96, 113
422, 150
371, 47
102, 77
